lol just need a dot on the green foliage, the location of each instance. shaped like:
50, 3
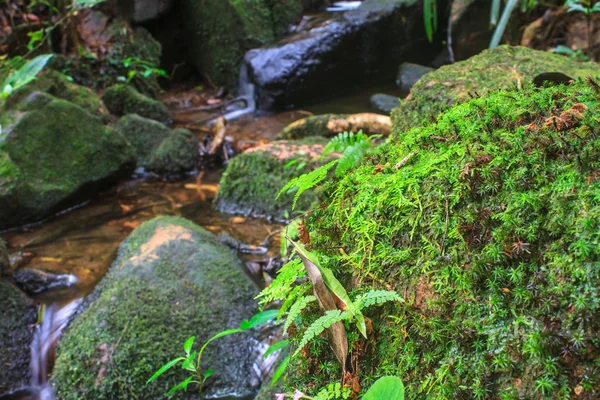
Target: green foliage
322, 323
296, 310
501, 27
24, 74
333, 391
491, 232
136, 67
430, 18
307, 181
586, 7
575, 55
192, 361
353, 147
387, 387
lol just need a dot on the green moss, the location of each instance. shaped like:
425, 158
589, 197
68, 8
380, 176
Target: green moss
242, 24
144, 134
170, 281
50, 154
253, 179
503, 67
177, 154
123, 99
489, 228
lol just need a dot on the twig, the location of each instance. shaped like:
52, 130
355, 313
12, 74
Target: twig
405, 159
269, 236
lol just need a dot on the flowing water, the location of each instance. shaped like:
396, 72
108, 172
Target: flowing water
83, 241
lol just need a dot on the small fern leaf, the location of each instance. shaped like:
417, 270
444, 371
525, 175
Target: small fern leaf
296, 293
317, 327
375, 297
280, 288
307, 181
296, 309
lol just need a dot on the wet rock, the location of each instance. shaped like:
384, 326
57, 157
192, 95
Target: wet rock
53, 153
384, 103
19, 259
35, 281
171, 280
157, 148
409, 74
145, 10
123, 99
220, 32
504, 67
253, 179
17, 314
331, 55
329, 125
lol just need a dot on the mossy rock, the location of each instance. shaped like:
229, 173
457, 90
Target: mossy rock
145, 135
487, 223
123, 99
175, 155
52, 153
220, 43
60, 86
254, 178
504, 67
171, 280
329, 125
17, 315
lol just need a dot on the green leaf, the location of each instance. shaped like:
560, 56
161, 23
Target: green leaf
27, 72
430, 18
165, 368
316, 328
387, 387
296, 309
307, 181
375, 297
499, 31
183, 385
208, 373
259, 319
280, 370
275, 347
188, 344
189, 364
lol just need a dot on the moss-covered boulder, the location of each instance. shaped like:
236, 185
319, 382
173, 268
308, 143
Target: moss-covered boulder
253, 179
177, 154
61, 86
171, 280
220, 32
156, 147
503, 67
123, 99
17, 314
487, 223
52, 153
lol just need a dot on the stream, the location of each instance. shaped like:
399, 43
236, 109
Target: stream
84, 240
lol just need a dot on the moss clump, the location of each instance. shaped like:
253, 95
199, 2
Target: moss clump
144, 134
123, 99
17, 315
51, 153
221, 43
503, 67
177, 154
253, 179
170, 281
489, 227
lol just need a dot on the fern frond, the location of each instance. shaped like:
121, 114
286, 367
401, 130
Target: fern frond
375, 297
317, 327
296, 293
280, 288
296, 309
307, 181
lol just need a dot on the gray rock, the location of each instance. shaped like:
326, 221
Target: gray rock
384, 103
171, 280
17, 314
35, 281
409, 74
147, 10
329, 56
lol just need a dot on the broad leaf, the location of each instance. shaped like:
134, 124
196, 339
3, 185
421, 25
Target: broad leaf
275, 347
188, 344
164, 368
280, 370
183, 385
259, 319
387, 387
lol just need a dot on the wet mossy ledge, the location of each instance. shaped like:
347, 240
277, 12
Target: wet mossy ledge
171, 280
487, 221
253, 179
504, 67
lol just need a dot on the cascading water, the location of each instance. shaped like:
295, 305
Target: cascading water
247, 93
54, 320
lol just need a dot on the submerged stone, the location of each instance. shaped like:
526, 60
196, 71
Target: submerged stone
171, 280
35, 281
384, 103
17, 315
52, 153
409, 74
253, 179
504, 67
123, 99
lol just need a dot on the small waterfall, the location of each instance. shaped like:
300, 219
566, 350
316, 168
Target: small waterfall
247, 93
45, 337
